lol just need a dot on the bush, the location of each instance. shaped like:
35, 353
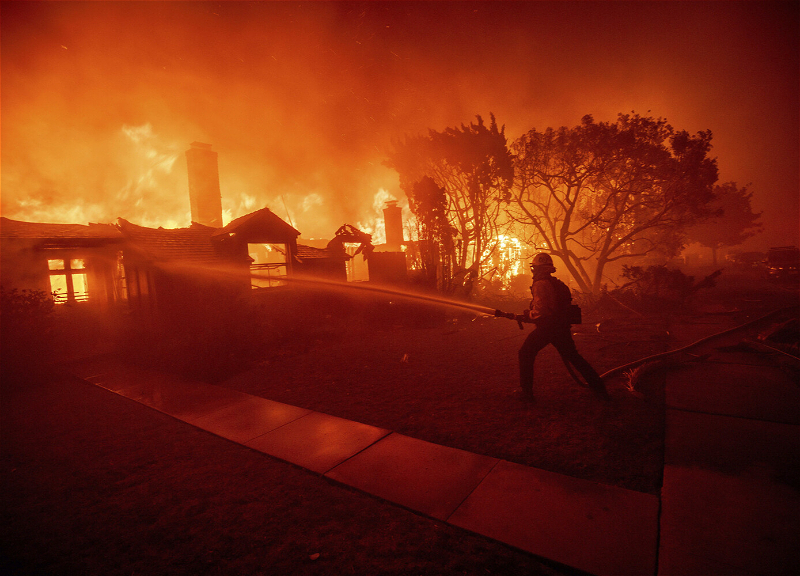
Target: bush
653, 288
26, 325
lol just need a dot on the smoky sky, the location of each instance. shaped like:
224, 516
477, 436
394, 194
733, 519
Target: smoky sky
302, 101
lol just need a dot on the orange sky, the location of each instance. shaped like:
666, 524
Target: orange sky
301, 100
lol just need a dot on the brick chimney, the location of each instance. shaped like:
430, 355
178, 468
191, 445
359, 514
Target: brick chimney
204, 194
393, 224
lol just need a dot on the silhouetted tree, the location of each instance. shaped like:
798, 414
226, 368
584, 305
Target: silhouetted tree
428, 202
732, 222
473, 165
601, 192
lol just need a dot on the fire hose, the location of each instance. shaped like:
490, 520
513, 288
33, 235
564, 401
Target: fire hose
641, 361
630, 365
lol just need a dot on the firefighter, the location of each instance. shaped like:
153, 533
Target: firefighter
549, 311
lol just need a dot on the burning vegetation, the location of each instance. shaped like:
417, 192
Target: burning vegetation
595, 197
455, 211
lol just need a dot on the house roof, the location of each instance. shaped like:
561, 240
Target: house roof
261, 226
196, 244
193, 244
311, 253
50, 231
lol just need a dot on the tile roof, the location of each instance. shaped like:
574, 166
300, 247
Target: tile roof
49, 231
310, 253
193, 244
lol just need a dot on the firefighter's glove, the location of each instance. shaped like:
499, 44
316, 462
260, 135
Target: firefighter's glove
501, 314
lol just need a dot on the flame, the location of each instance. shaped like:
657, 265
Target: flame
151, 194
507, 262
311, 201
35, 210
373, 222
249, 202
244, 204
152, 161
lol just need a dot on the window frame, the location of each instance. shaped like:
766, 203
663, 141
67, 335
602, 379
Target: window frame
67, 271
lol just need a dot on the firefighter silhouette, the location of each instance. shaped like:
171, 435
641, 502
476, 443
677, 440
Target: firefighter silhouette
551, 311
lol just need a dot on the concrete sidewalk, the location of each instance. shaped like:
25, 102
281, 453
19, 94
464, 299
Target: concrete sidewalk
596, 528
729, 502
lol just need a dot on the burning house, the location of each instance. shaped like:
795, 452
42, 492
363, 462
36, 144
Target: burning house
74, 262
152, 269
162, 271
388, 263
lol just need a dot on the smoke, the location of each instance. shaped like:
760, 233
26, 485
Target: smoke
302, 100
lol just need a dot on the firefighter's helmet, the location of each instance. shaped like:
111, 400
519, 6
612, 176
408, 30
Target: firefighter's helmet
542, 259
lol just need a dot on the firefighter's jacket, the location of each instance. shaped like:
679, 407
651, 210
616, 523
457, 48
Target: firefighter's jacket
543, 305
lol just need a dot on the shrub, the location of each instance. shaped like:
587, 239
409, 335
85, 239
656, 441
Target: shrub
26, 323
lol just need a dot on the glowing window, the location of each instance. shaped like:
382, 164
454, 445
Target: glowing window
68, 280
58, 287
270, 265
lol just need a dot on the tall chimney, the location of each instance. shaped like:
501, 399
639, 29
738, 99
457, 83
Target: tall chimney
204, 194
393, 224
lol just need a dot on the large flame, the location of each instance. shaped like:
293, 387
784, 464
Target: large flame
504, 261
373, 221
151, 167
305, 98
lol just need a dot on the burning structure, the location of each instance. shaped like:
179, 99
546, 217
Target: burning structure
74, 262
158, 270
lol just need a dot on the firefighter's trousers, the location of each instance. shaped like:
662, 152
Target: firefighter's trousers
560, 336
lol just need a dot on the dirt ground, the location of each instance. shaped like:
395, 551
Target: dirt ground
95, 484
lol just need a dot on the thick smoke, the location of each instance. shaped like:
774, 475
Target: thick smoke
302, 100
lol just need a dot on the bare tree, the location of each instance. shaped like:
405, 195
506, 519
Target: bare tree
601, 192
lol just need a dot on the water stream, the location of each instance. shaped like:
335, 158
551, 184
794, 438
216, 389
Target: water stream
332, 285
363, 287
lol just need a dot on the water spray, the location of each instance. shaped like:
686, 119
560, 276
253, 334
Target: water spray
334, 285
238, 274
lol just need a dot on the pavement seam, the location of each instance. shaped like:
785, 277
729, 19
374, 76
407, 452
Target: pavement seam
460, 504
332, 468
268, 431
750, 418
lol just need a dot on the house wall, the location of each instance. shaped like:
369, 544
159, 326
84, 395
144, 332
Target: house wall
388, 268
23, 266
324, 268
164, 294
